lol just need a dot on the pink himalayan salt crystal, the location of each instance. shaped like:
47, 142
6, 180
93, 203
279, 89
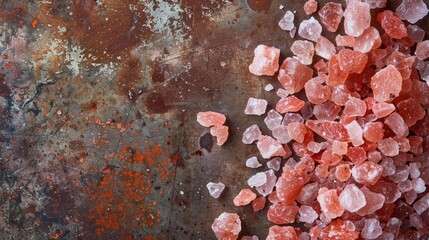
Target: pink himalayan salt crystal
357, 18
340, 95
329, 130
265, 61
307, 111
324, 48
372, 229
376, 3
321, 67
308, 193
373, 131
355, 132
410, 197
402, 62
336, 76
370, 39
405, 186
389, 167
280, 213
289, 104
345, 41
280, 133
326, 111
282, 93
339, 148
374, 156
418, 185
367, 173
342, 172
388, 147
293, 75
357, 155
310, 29
215, 189
329, 158
314, 147
244, 197
422, 204
411, 111
329, 203
330, 16
316, 92
310, 7
412, 10
254, 237
257, 180
303, 51
253, 163
281, 233
304, 236
422, 50
259, 203
395, 122
307, 214
297, 131
251, 134
227, 226
352, 61
415, 33
256, 106
221, 134
267, 188
292, 117
401, 174
388, 189
269, 147
354, 107
374, 201
338, 229
293, 32
352, 198
416, 145
208, 119
383, 109
274, 163
290, 183
391, 24
386, 84
273, 119
415, 170
286, 23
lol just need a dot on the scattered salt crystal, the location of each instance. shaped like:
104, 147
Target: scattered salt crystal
415, 33
388, 147
281, 135
367, 173
308, 193
265, 61
310, 7
310, 29
215, 189
273, 119
410, 197
330, 15
251, 134
269, 147
208, 119
253, 163
415, 170
256, 106
314, 147
376, 3
422, 204
303, 51
274, 163
244, 197
221, 134
389, 167
372, 229
397, 124
269, 87
329, 203
277, 232
324, 48
292, 32
422, 50
257, 180
286, 23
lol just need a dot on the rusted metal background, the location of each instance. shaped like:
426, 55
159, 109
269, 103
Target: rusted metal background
98, 102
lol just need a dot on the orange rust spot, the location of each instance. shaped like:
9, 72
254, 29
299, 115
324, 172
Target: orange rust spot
21, 23
35, 23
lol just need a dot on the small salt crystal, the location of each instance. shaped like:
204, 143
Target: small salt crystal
352, 198
269, 147
257, 180
415, 170
310, 29
372, 229
267, 188
215, 189
273, 119
355, 132
357, 18
418, 185
286, 23
265, 61
307, 214
274, 163
253, 163
269, 87
251, 134
256, 106
227, 224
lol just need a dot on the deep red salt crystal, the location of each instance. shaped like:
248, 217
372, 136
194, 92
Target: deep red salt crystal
391, 24
310, 7
357, 155
290, 183
388, 189
411, 111
329, 130
259, 203
289, 104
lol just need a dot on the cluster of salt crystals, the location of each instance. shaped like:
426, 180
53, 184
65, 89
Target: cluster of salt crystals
366, 175
216, 122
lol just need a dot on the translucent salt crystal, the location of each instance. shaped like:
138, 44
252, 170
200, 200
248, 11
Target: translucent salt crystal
267, 188
388, 147
415, 33
257, 180
321, 67
330, 15
308, 193
208, 119
329, 130
401, 62
292, 32
373, 131
422, 50
340, 94
411, 111
416, 221
303, 51
405, 186
355, 132
339, 148
383, 109
310, 29
401, 174
269, 87
253, 162
273, 119
372, 229
245, 197
307, 214
338, 229
259, 203
290, 183
215, 189
388, 189
374, 201
415, 170
422, 204
367, 173
250, 238
391, 24
393, 225
346, 41
357, 155
374, 156
412, 10
281, 134
297, 131
282, 93
397, 124
354, 107
289, 104
221, 134
280, 213
416, 144
386, 84
410, 197
376, 3
314, 147
286, 23
292, 117
277, 233
351, 61
370, 39
304, 236
293, 75
357, 18
251, 134
227, 226
352, 198
326, 111
307, 111
290, 163
316, 92
418, 185
336, 76
329, 203
274, 163
265, 61
256, 106
269, 147
310, 7
389, 167
325, 48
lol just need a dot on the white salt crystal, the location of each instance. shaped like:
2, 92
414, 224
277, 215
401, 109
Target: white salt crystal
274, 163
256, 106
253, 163
257, 180
215, 189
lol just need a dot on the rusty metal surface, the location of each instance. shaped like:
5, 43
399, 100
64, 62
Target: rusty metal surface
98, 102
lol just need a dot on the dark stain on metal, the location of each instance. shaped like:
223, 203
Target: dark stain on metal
129, 79
259, 5
206, 142
155, 102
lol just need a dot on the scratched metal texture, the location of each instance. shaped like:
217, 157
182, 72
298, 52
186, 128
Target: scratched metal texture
98, 104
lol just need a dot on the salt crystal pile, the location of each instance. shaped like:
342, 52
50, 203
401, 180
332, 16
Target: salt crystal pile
215, 189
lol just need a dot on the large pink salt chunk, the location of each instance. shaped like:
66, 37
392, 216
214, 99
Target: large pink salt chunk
316, 92
269, 147
307, 214
290, 183
412, 10
251, 134
370, 39
256, 106
329, 130
367, 173
289, 104
352, 198
383, 109
388, 147
374, 201
355, 132
330, 15
267, 187
297, 131
395, 122
422, 50
310, 7
293, 75
391, 24
354, 107
221, 134
386, 84
411, 111
357, 18
227, 226
373, 131
215, 189
330, 203
376, 3
346, 41
310, 29
245, 197
281, 233
280, 213
286, 23
326, 111
303, 50
352, 61
372, 229
325, 48
208, 119
265, 61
